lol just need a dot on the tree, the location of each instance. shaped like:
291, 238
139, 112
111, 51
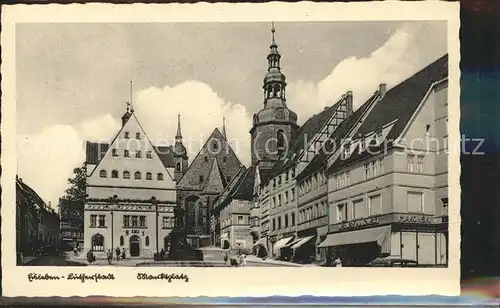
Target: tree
73, 202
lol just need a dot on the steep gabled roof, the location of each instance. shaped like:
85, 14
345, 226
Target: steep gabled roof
298, 142
201, 165
241, 188
398, 106
96, 151
215, 179
334, 141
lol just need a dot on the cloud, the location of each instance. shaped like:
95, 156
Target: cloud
47, 159
397, 59
201, 110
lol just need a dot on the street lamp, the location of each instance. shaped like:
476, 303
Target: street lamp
155, 204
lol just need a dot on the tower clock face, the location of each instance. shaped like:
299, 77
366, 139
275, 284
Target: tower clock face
279, 113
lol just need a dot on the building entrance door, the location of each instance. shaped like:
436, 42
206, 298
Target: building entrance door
135, 246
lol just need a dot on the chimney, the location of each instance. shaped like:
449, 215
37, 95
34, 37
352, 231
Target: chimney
348, 97
382, 89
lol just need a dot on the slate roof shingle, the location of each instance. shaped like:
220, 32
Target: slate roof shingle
241, 188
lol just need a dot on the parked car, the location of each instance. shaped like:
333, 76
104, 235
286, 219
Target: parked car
393, 261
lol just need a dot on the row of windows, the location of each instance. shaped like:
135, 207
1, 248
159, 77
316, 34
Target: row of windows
168, 222
280, 199
282, 178
134, 221
98, 221
374, 168
240, 220
137, 135
122, 241
312, 212
313, 182
342, 180
415, 163
359, 208
126, 153
286, 222
126, 175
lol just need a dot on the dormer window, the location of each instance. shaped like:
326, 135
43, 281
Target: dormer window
138, 136
378, 137
127, 136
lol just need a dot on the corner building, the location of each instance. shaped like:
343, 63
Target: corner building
387, 184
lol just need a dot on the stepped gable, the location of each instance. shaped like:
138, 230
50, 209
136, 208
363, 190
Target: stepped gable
298, 142
228, 164
398, 104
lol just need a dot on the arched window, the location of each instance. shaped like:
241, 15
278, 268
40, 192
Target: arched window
147, 240
280, 136
269, 90
126, 175
122, 241
149, 176
178, 167
137, 175
205, 158
114, 174
103, 174
215, 145
97, 242
160, 176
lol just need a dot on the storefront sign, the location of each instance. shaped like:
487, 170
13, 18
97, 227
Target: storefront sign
359, 223
415, 219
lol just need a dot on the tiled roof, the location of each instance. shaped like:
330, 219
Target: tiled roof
199, 167
31, 192
95, 151
398, 105
298, 142
334, 141
241, 188
166, 155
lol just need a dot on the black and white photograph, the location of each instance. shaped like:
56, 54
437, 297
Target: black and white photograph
268, 143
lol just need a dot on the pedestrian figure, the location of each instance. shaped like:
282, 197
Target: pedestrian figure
123, 254
109, 255
337, 262
90, 257
75, 251
117, 253
162, 254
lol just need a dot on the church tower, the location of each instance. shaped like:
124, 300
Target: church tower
180, 153
274, 124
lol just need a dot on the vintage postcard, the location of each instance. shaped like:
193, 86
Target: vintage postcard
230, 149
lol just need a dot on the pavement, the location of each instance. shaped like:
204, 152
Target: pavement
213, 257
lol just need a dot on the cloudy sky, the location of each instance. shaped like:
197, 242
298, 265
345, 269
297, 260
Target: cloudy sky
73, 80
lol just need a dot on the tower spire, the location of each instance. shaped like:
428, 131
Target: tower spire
224, 127
272, 32
178, 137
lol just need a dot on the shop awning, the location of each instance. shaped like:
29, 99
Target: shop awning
261, 241
301, 242
281, 243
379, 235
